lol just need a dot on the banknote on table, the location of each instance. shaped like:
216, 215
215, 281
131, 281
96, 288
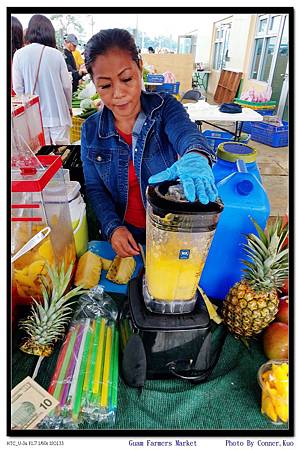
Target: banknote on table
30, 403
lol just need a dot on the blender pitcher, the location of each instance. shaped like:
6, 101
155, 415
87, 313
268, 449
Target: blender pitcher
179, 234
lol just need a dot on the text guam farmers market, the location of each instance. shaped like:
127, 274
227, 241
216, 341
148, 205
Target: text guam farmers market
162, 443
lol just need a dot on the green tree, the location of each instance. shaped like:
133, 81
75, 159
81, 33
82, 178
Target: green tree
62, 23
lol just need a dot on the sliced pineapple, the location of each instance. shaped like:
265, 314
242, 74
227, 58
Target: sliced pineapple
88, 270
106, 263
121, 270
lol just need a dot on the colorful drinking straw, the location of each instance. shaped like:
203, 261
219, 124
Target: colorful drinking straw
93, 361
107, 361
59, 363
89, 361
81, 376
71, 366
72, 391
99, 363
62, 373
115, 375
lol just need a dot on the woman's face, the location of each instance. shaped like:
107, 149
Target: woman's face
118, 81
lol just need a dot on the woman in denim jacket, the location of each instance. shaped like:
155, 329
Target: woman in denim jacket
134, 140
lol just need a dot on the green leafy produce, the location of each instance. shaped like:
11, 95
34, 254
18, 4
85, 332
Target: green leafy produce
86, 103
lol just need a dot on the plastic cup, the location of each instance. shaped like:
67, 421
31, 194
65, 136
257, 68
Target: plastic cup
273, 380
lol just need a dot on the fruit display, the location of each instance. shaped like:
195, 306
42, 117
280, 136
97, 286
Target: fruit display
276, 341
273, 378
252, 304
121, 270
48, 319
283, 311
88, 270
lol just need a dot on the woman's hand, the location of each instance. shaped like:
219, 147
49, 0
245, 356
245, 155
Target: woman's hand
123, 243
195, 175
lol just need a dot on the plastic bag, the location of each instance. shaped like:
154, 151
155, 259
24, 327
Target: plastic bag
257, 97
85, 378
169, 77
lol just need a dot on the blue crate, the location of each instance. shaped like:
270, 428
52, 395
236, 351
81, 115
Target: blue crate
215, 138
264, 112
155, 78
270, 134
170, 88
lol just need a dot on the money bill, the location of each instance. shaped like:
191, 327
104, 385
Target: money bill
30, 403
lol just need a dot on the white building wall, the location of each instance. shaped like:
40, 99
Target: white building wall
204, 36
238, 42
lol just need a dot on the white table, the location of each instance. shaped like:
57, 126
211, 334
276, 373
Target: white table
204, 112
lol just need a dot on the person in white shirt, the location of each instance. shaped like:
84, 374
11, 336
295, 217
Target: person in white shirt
39, 68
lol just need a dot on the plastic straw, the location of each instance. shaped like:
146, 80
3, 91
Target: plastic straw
79, 386
115, 376
99, 360
71, 366
71, 395
111, 370
65, 364
93, 360
88, 367
107, 359
59, 363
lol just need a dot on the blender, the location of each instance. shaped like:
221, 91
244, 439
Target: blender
165, 327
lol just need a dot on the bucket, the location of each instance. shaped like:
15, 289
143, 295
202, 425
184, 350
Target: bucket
243, 196
227, 155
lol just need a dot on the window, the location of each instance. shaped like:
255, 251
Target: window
221, 46
265, 46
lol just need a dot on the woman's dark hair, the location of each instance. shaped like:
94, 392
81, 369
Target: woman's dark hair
41, 31
105, 40
16, 35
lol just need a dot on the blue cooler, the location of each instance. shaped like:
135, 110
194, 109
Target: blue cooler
243, 196
227, 155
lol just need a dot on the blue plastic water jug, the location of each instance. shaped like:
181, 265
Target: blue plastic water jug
227, 155
243, 196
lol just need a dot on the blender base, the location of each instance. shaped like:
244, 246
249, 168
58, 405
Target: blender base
166, 307
157, 346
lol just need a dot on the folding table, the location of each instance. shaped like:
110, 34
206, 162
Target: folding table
204, 112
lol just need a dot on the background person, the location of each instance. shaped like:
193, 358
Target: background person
17, 40
39, 68
71, 43
78, 58
134, 136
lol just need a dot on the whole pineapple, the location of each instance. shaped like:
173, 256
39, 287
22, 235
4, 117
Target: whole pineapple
48, 319
252, 303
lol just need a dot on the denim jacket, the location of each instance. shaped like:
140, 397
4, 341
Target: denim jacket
167, 132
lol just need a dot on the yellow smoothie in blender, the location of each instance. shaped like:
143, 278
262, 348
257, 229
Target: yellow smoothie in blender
174, 263
178, 237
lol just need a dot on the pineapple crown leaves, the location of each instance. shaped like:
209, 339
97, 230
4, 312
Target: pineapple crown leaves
267, 266
48, 319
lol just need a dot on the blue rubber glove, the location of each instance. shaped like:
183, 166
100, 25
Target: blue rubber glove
195, 175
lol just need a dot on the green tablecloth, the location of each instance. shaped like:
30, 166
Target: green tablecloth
230, 400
